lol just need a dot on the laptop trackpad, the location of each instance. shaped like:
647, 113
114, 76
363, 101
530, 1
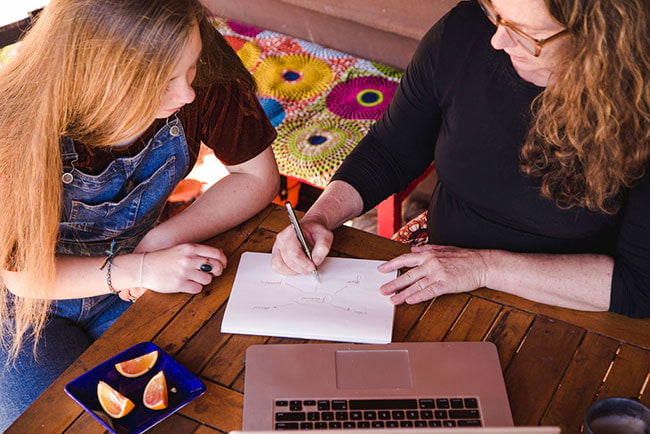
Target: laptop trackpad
373, 369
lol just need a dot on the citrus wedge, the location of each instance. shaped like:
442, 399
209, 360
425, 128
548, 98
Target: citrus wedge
113, 402
155, 394
137, 366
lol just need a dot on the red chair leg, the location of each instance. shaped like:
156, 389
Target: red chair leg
389, 216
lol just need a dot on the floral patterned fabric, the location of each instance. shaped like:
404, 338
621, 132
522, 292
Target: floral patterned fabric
413, 233
321, 101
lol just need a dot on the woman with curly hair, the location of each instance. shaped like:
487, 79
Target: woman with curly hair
537, 115
103, 110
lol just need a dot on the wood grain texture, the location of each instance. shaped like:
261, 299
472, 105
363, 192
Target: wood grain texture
204, 429
406, 316
615, 326
230, 360
508, 331
438, 318
174, 423
201, 347
537, 368
85, 424
474, 322
580, 383
218, 407
628, 373
645, 396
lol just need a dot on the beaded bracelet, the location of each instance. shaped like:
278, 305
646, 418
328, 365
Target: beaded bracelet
110, 255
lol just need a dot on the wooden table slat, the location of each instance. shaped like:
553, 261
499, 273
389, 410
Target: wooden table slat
645, 397
581, 382
201, 347
628, 373
508, 330
174, 423
547, 352
85, 424
475, 321
406, 316
229, 361
438, 318
204, 429
218, 407
634, 331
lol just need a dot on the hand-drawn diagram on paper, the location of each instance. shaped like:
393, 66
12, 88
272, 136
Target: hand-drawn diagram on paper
324, 293
344, 304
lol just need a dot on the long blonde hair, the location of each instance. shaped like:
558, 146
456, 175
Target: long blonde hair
590, 137
94, 70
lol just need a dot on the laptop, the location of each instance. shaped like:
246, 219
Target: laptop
356, 386
500, 430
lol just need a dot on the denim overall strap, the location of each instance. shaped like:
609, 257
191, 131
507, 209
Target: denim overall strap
68, 156
123, 202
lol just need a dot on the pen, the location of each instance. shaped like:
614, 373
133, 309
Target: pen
301, 236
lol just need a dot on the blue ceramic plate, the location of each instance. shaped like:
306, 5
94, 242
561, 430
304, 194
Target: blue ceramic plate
182, 387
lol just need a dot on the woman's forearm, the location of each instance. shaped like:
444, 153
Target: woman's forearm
337, 204
577, 281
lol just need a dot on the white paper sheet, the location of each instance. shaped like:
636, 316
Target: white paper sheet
345, 306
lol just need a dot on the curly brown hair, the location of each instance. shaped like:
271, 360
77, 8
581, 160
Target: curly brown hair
590, 135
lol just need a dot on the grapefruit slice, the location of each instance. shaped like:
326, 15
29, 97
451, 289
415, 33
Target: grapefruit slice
155, 394
137, 366
113, 402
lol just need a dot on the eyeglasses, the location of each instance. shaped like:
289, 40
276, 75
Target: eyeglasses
529, 43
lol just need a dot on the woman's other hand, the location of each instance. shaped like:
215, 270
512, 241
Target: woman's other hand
178, 268
288, 257
434, 270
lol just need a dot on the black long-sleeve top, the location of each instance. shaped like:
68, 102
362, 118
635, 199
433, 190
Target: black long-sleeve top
462, 104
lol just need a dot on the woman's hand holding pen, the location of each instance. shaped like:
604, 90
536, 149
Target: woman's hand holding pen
183, 268
288, 256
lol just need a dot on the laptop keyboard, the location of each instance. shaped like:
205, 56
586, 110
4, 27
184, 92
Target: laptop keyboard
313, 414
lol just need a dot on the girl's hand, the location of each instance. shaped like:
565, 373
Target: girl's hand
177, 269
288, 257
435, 270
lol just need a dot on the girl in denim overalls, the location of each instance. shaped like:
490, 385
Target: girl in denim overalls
100, 123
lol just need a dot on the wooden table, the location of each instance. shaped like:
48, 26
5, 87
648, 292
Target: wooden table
555, 361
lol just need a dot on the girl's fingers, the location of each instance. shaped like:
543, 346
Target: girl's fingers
210, 266
209, 252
